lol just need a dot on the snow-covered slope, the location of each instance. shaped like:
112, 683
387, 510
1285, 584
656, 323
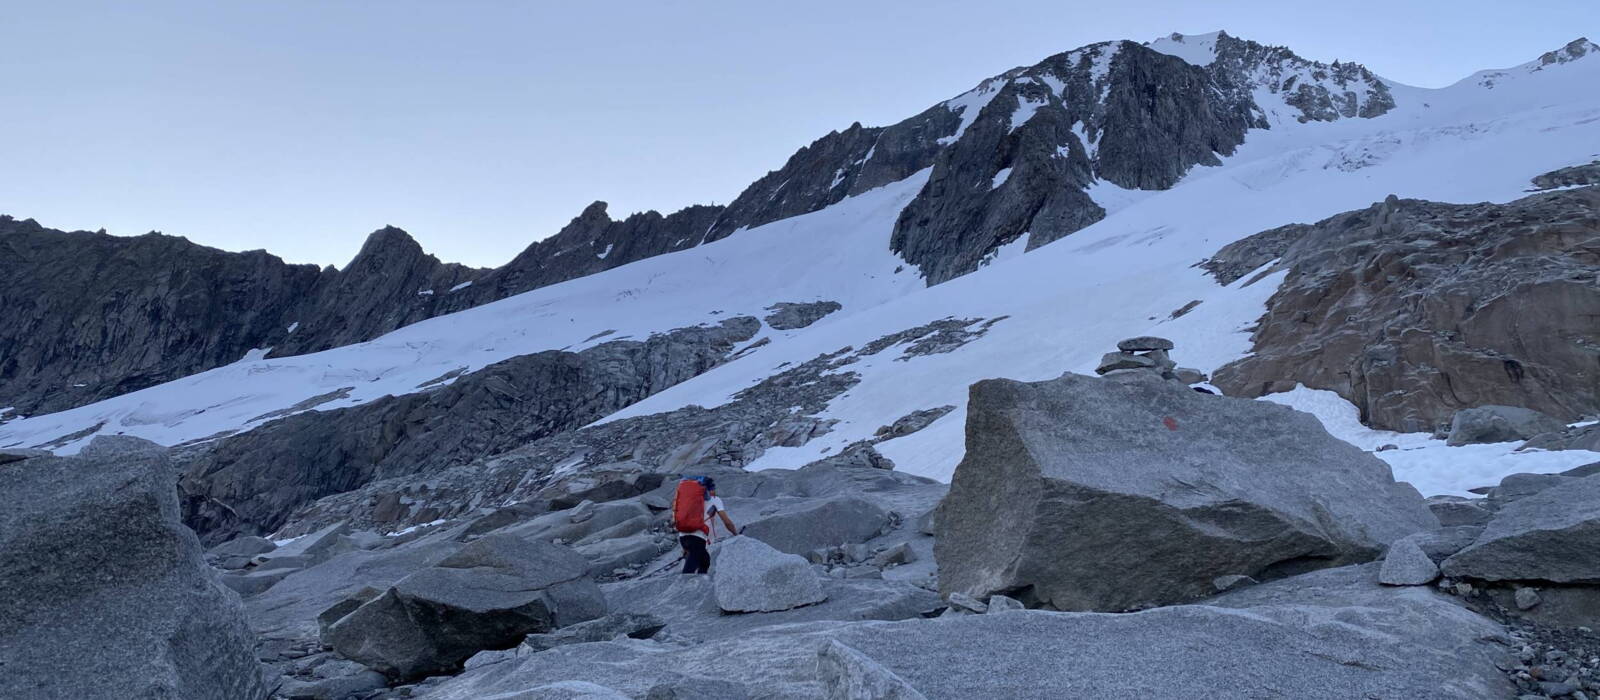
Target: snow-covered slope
1063, 304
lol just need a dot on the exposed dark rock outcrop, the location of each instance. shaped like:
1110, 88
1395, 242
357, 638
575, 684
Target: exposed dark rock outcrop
249, 483
88, 316
106, 593
1116, 111
788, 315
777, 410
1413, 310
1573, 176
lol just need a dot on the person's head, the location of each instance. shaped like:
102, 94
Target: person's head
710, 485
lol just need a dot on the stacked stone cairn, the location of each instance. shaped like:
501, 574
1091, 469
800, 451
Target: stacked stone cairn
1147, 354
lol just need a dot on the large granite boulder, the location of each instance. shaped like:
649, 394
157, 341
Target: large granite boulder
797, 526
1484, 424
106, 594
1131, 491
750, 576
1551, 536
489, 595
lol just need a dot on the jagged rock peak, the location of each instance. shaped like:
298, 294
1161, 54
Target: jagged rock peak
594, 212
388, 238
1574, 50
1317, 91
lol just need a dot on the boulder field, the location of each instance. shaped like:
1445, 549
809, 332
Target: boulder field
1125, 536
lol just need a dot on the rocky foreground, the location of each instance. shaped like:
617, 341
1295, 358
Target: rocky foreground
1117, 537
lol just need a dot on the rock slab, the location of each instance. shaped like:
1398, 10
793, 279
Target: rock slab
848, 674
1548, 536
489, 595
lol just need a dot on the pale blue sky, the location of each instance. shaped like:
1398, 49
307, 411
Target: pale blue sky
301, 125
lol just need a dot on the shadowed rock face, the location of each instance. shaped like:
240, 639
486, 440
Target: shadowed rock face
249, 483
1413, 310
88, 316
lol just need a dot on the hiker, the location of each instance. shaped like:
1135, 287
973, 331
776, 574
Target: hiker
693, 508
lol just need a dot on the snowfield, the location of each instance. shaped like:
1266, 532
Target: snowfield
1064, 304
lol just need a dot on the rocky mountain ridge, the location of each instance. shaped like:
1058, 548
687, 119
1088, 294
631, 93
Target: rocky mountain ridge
1010, 157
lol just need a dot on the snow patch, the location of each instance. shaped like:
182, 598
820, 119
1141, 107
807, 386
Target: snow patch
425, 292
1194, 49
293, 327
602, 254
461, 286
1000, 178
1435, 468
967, 105
1026, 108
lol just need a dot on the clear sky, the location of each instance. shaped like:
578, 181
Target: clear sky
480, 126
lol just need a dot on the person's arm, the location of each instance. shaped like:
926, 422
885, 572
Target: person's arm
729, 522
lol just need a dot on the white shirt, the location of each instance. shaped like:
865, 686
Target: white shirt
713, 506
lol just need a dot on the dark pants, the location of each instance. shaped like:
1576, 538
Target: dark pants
696, 560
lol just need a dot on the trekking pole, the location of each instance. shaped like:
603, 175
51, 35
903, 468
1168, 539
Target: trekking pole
663, 567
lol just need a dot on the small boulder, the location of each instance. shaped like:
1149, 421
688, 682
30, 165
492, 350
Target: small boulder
602, 629
1407, 565
1189, 375
1454, 510
1113, 361
1487, 424
895, 556
750, 576
1526, 598
962, 601
1144, 343
999, 603
848, 674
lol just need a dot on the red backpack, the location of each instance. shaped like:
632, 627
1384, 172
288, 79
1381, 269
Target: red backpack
689, 507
